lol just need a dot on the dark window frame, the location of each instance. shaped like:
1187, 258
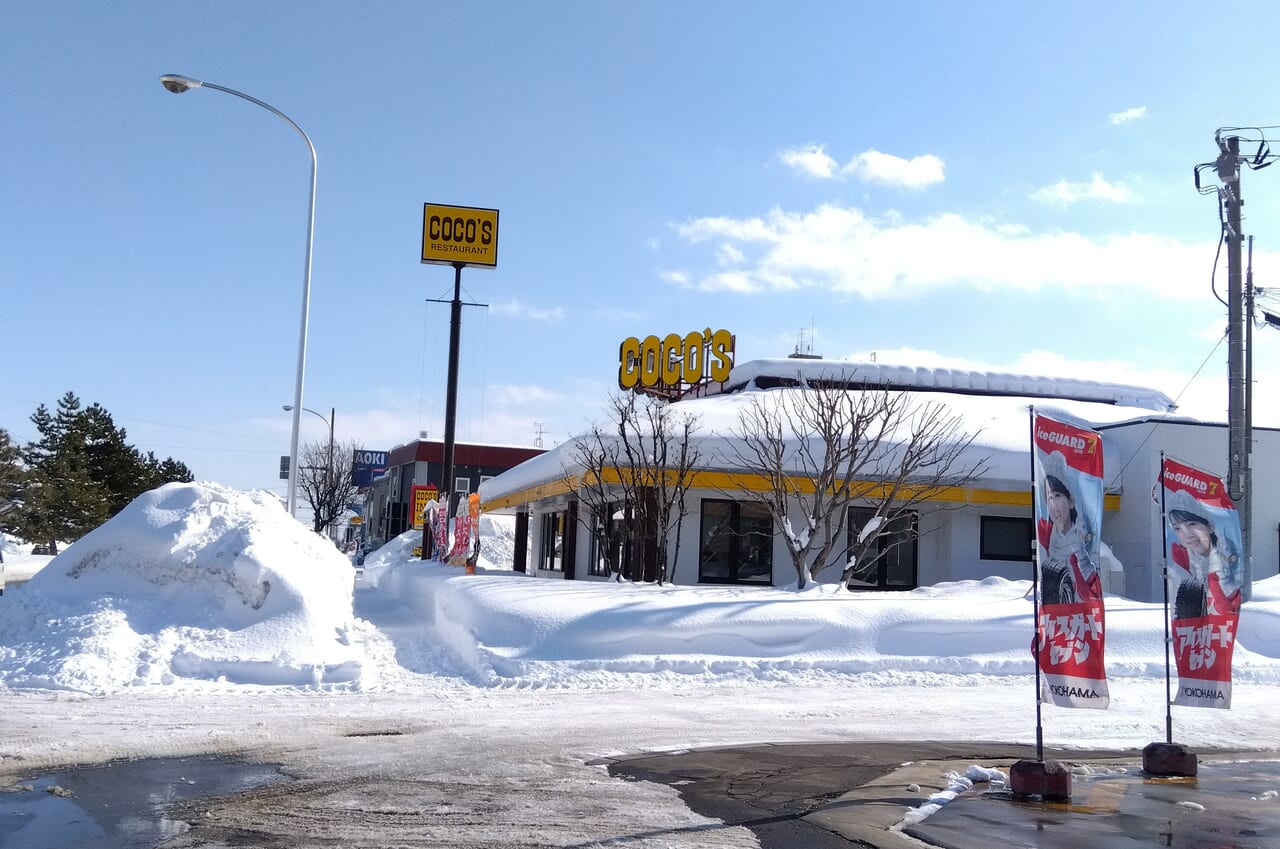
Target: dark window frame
888, 546
597, 564
734, 540
990, 521
551, 543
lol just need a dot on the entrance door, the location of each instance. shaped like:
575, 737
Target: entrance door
891, 564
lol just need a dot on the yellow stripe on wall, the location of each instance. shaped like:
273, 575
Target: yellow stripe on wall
754, 482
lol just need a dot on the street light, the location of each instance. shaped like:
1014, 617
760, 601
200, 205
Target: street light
179, 84
329, 421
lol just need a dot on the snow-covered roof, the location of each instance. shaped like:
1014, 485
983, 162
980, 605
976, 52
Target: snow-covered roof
992, 404
962, 381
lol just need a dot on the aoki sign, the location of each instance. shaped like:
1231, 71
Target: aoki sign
660, 365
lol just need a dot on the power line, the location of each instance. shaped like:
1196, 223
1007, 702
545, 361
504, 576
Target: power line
1158, 423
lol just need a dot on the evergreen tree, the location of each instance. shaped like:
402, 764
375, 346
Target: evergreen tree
12, 481
81, 471
35, 452
112, 462
62, 502
168, 470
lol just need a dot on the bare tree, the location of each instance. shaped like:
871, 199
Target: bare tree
601, 491
324, 478
826, 446
636, 473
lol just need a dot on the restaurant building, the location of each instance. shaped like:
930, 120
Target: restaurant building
964, 533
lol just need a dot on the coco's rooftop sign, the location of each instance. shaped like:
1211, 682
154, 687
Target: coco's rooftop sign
668, 365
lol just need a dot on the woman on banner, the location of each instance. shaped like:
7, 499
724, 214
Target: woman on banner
1067, 572
1210, 584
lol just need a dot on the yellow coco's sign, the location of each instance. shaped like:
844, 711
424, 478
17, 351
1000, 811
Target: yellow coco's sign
459, 235
667, 362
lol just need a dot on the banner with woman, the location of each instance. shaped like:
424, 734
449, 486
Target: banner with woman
1070, 633
1205, 571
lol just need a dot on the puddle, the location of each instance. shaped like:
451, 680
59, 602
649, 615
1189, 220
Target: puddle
1228, 805
119, 805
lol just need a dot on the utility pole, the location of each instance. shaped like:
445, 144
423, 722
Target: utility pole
1246, 525
1228, 169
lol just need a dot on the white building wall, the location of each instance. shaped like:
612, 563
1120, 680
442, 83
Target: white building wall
950, 542
962, 561
1135, 533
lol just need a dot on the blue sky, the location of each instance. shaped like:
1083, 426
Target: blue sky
999, 185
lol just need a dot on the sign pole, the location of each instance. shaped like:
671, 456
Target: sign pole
1168, 637
451, 393
1049, 780
458, 236
1035, 595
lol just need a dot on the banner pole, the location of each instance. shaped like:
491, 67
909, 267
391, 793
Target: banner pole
1168, 637
1035, 588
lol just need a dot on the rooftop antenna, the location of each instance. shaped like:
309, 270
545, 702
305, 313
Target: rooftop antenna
804, 348
538, 430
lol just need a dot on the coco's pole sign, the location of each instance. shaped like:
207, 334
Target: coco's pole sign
459, 235
663, 365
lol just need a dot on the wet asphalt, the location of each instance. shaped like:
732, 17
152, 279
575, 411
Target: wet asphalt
837, 795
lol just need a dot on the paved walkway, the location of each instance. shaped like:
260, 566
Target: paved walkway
832, 796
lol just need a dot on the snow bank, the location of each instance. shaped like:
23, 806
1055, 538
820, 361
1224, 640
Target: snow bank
198, 586
507, 629
190, 581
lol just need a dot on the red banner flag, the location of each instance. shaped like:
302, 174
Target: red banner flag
1205, 571
1070, 636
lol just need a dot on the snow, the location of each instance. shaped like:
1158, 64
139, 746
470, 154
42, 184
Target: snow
196, 584
959, 380
203, 619
193, 582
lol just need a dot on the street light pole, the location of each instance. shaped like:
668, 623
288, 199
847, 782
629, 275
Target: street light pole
329, 421
179, 84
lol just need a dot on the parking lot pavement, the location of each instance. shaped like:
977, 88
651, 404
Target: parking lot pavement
858, 794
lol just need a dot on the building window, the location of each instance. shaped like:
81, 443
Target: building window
609, 552
891, 562
462, 486
735, 543
1006, 538
551, 547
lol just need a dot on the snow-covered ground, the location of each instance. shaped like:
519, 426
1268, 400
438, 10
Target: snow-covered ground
203, 619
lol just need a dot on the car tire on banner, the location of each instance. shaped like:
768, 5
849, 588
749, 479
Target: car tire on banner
1058, 587
1189, 602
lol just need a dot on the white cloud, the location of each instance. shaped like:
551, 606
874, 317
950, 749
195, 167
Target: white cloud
811, 160
1097, 188
914, 173
841, 249
1127, 115
871, 166
729, 254
518, 308
677, 278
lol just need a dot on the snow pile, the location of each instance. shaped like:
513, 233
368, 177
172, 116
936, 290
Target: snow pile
497, 546
190, 581
955, 784
18, 567
198, 586
507, 629
498, 539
